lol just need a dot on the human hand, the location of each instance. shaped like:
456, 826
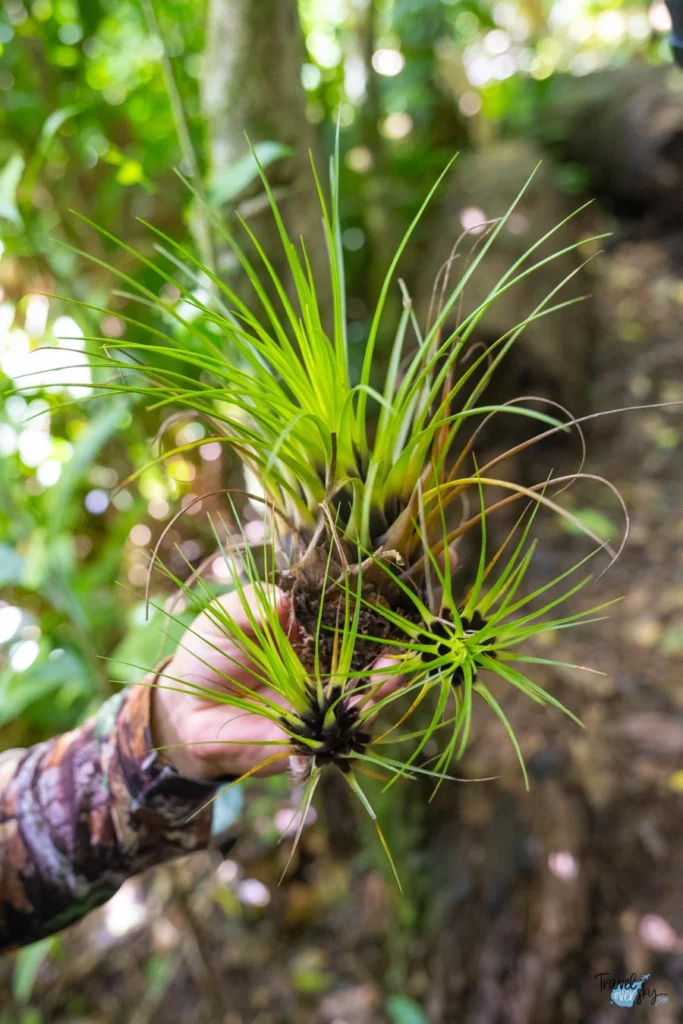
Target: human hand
203, 738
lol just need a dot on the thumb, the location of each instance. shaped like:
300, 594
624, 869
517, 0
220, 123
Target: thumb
253, 604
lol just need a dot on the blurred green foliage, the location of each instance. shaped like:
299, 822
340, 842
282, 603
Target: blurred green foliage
86, 124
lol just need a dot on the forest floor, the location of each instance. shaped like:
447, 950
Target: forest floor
519, 900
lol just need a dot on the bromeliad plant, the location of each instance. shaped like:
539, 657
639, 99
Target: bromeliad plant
456, 636
329, 714
362, 482
328, 717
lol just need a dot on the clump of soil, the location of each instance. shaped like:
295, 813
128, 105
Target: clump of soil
373, 627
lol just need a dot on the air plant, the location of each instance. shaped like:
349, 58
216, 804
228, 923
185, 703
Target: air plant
327, 717
361, 482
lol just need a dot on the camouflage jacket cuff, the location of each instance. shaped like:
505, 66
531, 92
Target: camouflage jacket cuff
155, 795
83, 811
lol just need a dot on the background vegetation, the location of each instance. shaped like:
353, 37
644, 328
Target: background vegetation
100, 104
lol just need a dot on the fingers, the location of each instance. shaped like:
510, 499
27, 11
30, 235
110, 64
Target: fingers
448, 558
250, 744
212, 651
210, 742
386, 676
247, 607
384, 680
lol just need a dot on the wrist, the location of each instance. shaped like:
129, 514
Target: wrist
155, 798
167, 711
176, 732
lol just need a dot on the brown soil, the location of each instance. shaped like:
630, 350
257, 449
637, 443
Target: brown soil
307, 588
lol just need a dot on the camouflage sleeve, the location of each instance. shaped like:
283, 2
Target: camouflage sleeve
83, 811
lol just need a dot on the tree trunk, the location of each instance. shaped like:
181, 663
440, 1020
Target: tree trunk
252, 85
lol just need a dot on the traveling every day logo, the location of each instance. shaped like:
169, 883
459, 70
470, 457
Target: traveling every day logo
631, 991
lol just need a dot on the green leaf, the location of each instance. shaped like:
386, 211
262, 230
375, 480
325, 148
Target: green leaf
100, 429
231, 182
10, 176
27, 966
36, 564
30, 1015
11, 566
159, 975
593, 520
53, 122
130, 173
145, 646
19, 690
404, 1010
308, 977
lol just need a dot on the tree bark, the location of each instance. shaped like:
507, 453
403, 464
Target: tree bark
252, 85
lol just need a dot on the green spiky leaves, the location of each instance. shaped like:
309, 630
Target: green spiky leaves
481, 631
272, 377
367, 484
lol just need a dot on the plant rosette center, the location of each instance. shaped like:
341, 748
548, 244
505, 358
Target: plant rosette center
445, 640
330, 730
